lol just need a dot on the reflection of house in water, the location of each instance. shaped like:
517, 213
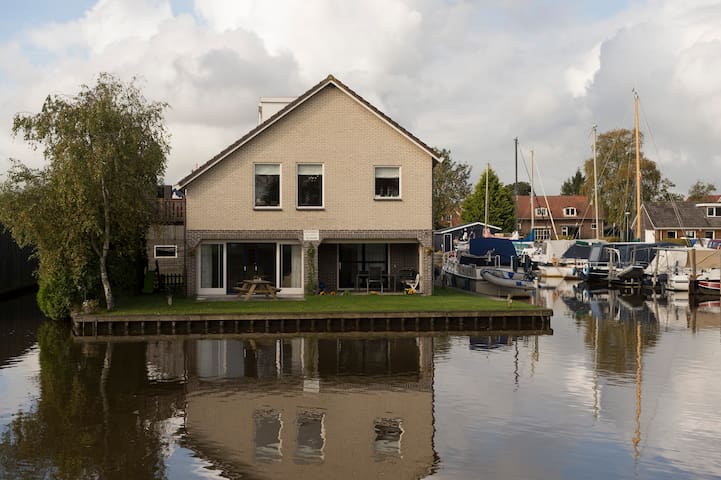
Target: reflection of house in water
312, 407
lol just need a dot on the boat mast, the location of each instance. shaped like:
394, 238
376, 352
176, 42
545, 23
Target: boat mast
638, 169
532, 194
595, 182
486, 229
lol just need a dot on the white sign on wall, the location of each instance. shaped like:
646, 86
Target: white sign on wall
311, 235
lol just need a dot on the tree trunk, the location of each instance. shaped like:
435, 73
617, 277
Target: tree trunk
109, 300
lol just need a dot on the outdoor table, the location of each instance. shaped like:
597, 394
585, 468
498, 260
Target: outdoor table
256, 285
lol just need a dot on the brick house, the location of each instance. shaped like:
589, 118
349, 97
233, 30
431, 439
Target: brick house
322, 191
572, 216
671, 220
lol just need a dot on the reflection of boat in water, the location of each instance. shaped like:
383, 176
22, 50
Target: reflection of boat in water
490, 342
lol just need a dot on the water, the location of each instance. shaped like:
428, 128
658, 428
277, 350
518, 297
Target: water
625, 387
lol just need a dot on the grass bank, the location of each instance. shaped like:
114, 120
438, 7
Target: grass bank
442, 300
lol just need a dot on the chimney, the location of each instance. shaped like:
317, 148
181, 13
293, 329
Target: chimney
269, 106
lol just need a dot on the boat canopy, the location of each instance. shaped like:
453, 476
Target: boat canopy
492, 247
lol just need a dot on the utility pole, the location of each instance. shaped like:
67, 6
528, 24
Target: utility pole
515, 191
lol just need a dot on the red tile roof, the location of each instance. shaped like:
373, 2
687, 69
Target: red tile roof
557, 203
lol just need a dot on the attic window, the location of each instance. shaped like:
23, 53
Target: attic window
713, 211
387, 182
569, 212
267, 185
541, 212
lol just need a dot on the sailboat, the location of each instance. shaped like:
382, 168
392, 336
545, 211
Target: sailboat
489, 265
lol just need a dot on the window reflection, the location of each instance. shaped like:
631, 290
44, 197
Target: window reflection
311, 436
388, 433
268, 426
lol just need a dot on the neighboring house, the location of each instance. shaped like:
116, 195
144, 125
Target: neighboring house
558, 216
445, 239
165, 240
671, 220
322, 191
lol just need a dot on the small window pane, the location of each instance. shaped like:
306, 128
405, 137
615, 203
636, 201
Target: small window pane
388, 182
166, 251
310, 185
267, 185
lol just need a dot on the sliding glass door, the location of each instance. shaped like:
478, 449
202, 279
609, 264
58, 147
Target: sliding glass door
212, 269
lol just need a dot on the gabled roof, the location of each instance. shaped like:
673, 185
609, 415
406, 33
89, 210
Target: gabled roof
679, 216
557, 203
329, 82
465, 226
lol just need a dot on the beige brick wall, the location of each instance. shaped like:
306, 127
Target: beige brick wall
333, 129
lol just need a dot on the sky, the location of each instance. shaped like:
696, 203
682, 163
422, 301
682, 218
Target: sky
468, 76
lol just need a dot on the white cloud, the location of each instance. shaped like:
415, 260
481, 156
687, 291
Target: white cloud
460, 75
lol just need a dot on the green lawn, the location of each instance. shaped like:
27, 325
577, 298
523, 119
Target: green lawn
442, 300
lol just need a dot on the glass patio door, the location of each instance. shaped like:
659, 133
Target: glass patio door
212, 269
291, 269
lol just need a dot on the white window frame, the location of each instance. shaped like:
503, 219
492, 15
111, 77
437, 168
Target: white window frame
564, 230
174, 247
297, 186
280, 188
713, 211
690, 233
212, 291
570, 212
706, 234
541, 212
400, 182
543, 233
594, 226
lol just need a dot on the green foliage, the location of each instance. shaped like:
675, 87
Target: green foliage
700, 190
57, 294
500, 203
574, 185
616, 165
522, 188
88, 210
450, 186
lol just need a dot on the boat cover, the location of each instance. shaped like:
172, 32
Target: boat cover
493, 246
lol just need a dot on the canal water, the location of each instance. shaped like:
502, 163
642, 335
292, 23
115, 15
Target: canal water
625, 387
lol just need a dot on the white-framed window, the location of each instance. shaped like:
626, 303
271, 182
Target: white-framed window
564, 230
593, 226
541, 212
570, 212
267, 185
671, 234
543, 233
690, 233
387, 183
708, 234
713, 211
165, 251
310, 185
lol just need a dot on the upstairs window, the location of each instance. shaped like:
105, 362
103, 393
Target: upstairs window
387, 182
569, 212
713, 211
541, 212
310, 186
267, 185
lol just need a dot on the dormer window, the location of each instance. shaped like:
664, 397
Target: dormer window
569, 212
541, 212
713, 211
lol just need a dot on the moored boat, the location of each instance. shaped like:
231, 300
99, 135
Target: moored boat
464, 268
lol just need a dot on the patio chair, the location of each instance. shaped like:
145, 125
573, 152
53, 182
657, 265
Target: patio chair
375, 276
412, 283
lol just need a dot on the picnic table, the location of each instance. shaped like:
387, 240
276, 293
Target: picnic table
253, 286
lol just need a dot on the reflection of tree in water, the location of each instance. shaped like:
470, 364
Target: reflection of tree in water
77, 430
613, 334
